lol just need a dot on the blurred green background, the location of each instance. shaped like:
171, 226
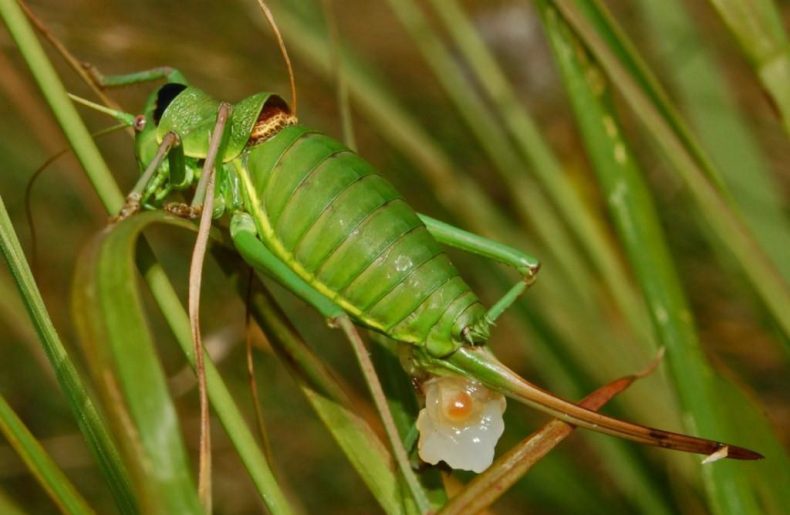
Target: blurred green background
571, 334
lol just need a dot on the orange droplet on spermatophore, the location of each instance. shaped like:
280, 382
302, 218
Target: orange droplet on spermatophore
459, 406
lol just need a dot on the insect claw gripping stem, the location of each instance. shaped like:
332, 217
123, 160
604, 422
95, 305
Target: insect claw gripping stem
184, 210
130, 207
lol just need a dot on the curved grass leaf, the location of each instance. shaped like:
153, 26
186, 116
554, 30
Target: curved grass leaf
106, 273
46, 472
109, 315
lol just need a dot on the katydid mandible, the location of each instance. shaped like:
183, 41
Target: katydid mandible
317, 218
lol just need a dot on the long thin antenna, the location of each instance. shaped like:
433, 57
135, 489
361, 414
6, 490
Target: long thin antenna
77, 65
346, 122
29, 192
283, 51
123, 117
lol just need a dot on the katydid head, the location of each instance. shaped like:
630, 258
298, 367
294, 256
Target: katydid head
190, 114
162, 99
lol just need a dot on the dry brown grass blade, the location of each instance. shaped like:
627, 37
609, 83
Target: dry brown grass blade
195, 279
380, 401
253, 383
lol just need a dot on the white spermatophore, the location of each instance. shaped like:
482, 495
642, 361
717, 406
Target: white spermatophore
460, 424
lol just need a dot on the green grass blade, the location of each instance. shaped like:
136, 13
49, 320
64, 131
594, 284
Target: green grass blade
111, 265
704, 92
110, 195
46, 472
634, 214
602, 25
403, 403
726, 224
530, 201
90, 423
757, 26
364, 450
8, 506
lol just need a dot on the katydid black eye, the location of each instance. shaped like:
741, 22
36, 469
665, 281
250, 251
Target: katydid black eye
164, 97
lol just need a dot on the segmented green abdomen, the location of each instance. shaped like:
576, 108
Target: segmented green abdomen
342, 227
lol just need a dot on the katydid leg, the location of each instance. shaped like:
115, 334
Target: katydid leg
481, 364
258, 256
524, 264
151, 177
118, 81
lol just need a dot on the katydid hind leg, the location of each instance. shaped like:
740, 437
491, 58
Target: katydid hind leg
166, 73
257, 255
530, 394
527, 266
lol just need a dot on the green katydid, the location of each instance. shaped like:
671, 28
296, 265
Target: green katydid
316, 217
